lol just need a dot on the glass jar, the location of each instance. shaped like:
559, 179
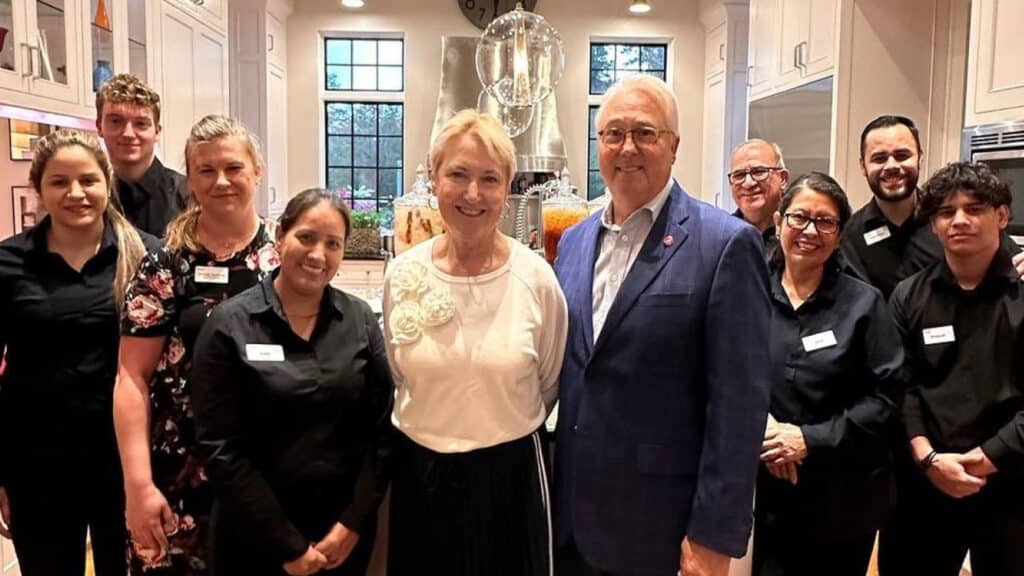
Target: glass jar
561, 209
416, 215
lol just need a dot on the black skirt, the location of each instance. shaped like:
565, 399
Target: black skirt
480, 512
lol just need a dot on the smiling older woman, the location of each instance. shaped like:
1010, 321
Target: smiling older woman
475, 329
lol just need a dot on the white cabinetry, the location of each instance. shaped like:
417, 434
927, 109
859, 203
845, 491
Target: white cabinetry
792, 43
117, 38
212, 12
259, 95
193, 77
995, 76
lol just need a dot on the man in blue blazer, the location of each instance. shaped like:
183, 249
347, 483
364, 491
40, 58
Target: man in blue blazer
664, 388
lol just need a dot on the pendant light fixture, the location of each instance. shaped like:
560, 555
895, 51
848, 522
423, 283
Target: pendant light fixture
639, 7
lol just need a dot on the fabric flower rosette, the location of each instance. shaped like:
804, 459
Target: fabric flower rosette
418, 305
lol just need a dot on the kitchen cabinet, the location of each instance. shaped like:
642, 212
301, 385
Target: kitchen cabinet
259, 90
117, 36
792, 43
193, 77
39, 53
995, 76
212, 12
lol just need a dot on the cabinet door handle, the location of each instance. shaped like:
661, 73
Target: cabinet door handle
796, 56
803, 55
29, 65
721, 51
273, 194
270, 42
750, 75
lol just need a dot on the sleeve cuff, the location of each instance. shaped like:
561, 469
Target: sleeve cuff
815, 436
996, 450
353, 519
292, 546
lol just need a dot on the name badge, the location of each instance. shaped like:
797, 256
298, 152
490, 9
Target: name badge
938, 335
264, 353
211, 275
877, 235
818, 341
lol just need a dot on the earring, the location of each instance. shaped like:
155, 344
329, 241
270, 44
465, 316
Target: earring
432, 202
507, 208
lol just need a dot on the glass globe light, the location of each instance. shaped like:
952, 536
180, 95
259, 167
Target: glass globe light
515, 119
520, 58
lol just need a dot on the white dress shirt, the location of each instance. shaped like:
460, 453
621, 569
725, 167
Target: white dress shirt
619, 246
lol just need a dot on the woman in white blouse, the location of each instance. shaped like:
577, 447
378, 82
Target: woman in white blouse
475, 325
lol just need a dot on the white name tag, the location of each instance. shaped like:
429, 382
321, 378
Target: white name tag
818, 341
211, 275
877, 235
938, 335
264, 353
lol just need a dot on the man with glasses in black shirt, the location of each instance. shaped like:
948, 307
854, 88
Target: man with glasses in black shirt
757, 177
962, 321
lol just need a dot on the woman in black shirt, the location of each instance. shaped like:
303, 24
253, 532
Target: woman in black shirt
61, 285
837, 365
292, 393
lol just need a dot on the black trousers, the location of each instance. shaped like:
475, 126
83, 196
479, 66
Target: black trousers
930, 532
569, 562
49, 523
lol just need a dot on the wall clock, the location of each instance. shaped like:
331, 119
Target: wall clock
482, 12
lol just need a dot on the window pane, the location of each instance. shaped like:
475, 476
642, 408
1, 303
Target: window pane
390, 78
620, 74
339, 77
338, 178
390, 182
366, 118
365, 149
652, 58
602, 56
364, 52
366, 177
659, 74
339, 118
339, 151
389, 52
595, 185
364, 191
592, 161
390, 119
592, 130
339, 51
391, 152
364, 78
600, 81
627, 57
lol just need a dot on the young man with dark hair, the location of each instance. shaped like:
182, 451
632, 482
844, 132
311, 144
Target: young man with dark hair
962, 322
128, 120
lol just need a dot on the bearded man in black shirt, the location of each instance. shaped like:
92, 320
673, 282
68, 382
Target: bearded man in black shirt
962, 322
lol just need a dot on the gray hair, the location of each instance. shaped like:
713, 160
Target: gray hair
780, 161
652, 86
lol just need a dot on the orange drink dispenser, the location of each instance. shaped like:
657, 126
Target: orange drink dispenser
561, 209
416, 215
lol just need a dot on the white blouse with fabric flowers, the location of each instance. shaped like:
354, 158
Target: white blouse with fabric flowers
475, 359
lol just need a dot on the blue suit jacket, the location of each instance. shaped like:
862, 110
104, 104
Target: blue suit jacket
661, 419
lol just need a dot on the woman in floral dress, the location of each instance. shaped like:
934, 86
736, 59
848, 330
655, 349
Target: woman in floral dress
215, 249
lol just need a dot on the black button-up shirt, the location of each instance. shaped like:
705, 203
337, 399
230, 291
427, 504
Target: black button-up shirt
60, 329
966, 349
910, 247
152, 202
293, 431
769, 237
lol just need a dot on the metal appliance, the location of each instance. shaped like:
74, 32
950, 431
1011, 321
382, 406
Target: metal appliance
1001, 146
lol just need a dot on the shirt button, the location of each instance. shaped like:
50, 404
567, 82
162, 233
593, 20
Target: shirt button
625, 238
575, 428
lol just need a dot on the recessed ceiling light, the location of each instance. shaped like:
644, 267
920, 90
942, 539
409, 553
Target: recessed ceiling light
639, 7
352, 3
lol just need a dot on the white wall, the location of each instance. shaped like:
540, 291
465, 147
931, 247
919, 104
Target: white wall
424, 22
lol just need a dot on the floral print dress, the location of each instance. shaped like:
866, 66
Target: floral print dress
170, 296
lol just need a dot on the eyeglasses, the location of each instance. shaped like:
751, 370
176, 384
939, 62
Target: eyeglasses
644, 135
758, 173
823, 224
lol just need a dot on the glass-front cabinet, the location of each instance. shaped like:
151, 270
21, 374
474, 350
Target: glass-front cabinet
118, 40
38, 47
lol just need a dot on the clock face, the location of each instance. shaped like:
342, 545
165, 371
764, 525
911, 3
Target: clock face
481, 12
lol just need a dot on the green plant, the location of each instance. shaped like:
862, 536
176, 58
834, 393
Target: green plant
365, 219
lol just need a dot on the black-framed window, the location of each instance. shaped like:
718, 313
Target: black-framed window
595, 184
364, 152
613, 61
364, 64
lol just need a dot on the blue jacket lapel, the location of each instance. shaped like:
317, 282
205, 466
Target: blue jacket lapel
652, 258
591, 237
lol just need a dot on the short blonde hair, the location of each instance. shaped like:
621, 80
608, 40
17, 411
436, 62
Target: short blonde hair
128, 89
654, 87
486, 129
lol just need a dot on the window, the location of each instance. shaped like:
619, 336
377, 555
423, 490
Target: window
609, 62
363, 119
364, 152
363, 64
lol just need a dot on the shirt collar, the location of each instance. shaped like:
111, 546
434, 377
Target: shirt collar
331, 300
151, 182
874, 217
824, 296
1000, 271
37, 242
769, 232
653, 208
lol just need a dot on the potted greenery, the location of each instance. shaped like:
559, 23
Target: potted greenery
364, 239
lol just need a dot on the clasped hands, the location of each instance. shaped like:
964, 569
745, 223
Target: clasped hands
328, 553
783, 449
960, 475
